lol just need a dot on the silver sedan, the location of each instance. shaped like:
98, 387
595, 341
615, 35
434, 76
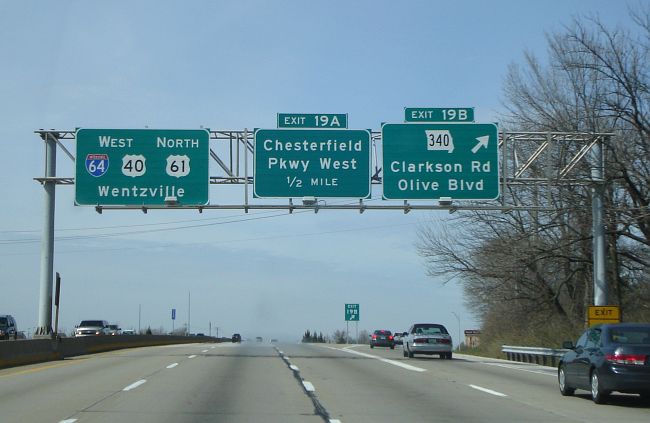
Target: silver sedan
427, 338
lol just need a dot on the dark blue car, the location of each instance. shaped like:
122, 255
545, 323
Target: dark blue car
607, 358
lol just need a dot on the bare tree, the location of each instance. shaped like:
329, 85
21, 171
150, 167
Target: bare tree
525, 269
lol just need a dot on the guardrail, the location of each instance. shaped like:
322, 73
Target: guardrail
537, 355
21, 352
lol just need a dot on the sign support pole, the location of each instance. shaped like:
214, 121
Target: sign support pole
44, 328
347, 332
597, 212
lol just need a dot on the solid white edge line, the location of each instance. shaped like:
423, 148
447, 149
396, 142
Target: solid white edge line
489, 391
309, 387
514, 367
171, 366
72, 421
192, 356
388, 361
134, 385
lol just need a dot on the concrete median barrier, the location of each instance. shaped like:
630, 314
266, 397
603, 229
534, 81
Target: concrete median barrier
22, 352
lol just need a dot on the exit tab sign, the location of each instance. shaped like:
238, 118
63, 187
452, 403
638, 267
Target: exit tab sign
603, 314
439, 114
313, 120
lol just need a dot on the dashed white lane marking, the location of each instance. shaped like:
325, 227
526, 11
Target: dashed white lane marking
385, 360
204, 351
192, 356
308, 386
280, 352
171, 366
134, 385
514, 367
72, 421
489, 391
335, 421
212, 348
294, 368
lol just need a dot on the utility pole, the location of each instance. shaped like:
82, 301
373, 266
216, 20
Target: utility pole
189, 307
139, 318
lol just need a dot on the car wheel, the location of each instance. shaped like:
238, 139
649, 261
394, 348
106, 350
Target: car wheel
565, 389
392, 347
598, 394
404, 352
372, 346
410, 354
449, 355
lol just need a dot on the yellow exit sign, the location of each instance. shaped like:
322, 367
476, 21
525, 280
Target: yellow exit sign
603, 314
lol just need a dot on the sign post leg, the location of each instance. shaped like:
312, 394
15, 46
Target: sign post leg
44, 328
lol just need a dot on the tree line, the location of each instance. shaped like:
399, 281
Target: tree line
528, 275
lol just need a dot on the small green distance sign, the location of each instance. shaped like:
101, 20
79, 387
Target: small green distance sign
141, 167
313, 120
352, 313
424, 161
322, 163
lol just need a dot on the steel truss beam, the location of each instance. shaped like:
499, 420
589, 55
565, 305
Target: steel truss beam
538, 162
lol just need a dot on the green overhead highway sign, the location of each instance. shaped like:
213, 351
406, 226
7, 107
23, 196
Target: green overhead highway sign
431, 161
439, 114
352, 313
141, 167
321, 163
313, 120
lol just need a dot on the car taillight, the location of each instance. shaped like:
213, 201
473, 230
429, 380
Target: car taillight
374, 336
420, 341
390, 337
444, 341
637, 359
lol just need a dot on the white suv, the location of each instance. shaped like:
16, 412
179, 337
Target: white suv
92, 328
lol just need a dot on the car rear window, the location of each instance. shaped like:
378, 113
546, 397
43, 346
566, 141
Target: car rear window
383, 332
630, 336
3, 321
92, 323
430, 330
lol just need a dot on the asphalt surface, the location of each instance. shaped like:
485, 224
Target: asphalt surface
255, 382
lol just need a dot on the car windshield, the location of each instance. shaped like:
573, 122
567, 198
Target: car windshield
430, 330
630, 335
92, 323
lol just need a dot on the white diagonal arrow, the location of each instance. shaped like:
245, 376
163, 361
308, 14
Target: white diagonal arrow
482, 142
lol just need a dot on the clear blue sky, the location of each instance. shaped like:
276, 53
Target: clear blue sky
234, 65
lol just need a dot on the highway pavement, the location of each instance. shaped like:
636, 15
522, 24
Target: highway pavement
261, 382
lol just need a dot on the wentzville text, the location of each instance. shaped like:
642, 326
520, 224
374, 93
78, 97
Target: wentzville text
161, 191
